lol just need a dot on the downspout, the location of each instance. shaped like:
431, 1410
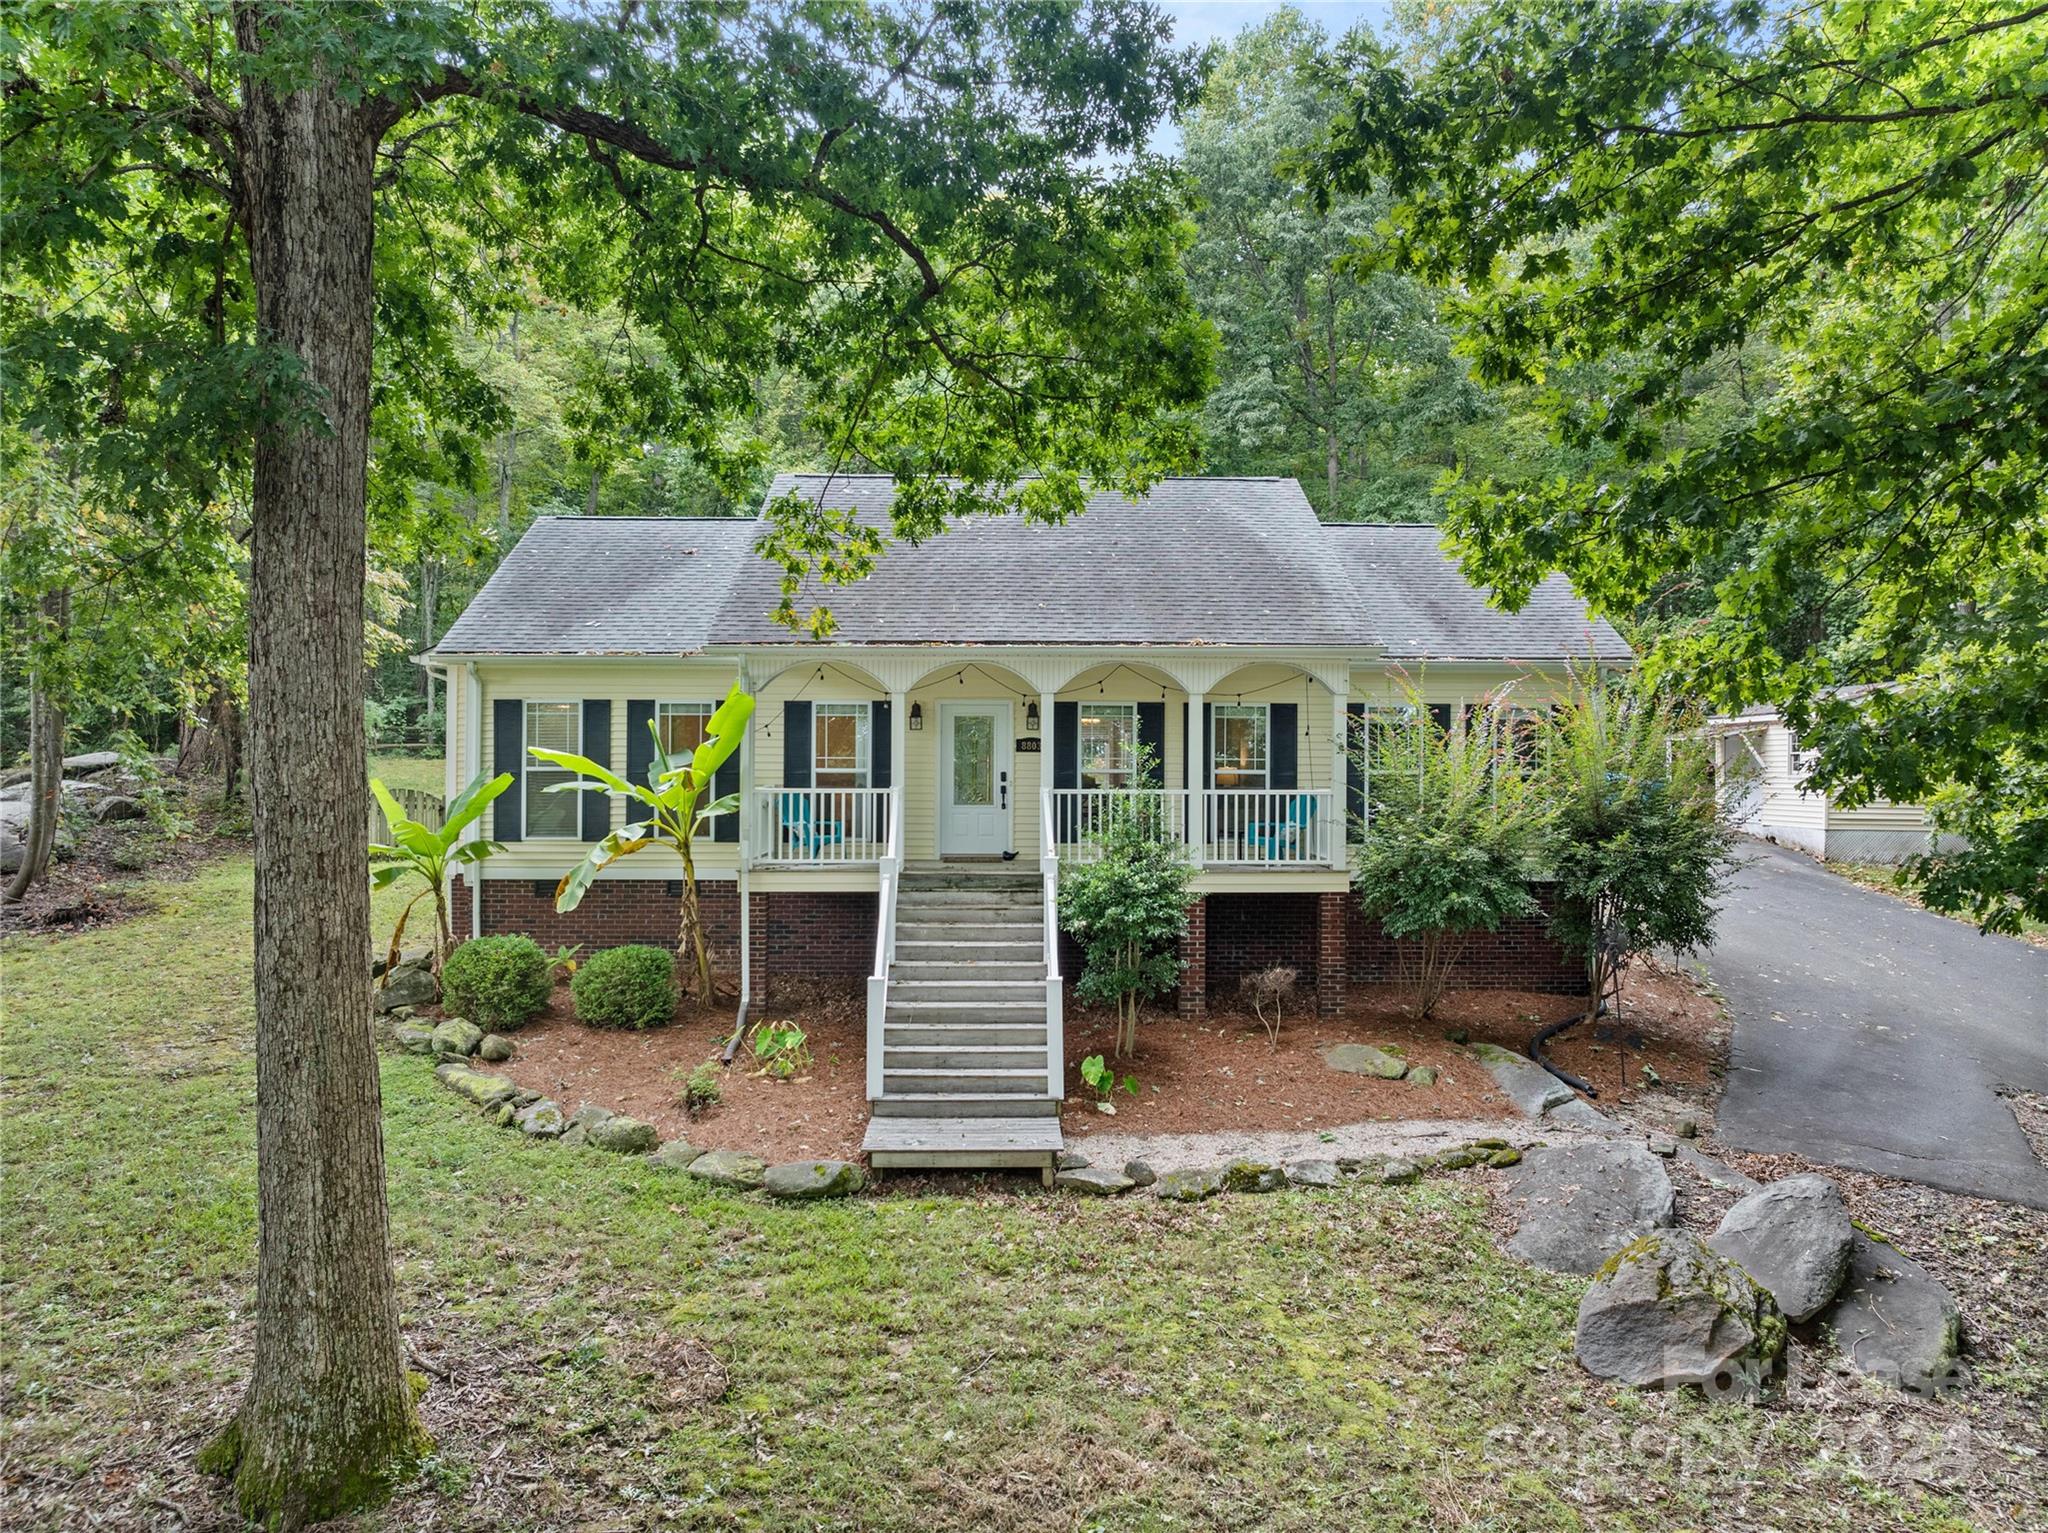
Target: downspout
472, 762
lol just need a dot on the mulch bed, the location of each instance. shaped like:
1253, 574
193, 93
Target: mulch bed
1216, 1074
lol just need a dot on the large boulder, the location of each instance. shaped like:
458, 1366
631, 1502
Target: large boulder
804, 1179
1364, 1059
1895, 1322
410, 984
1576, 1205
118, 806
1793, 1237
1666, 1310
92, 761
729, 1168
475, 1086
1533, 1089
456, 1039
623, 1136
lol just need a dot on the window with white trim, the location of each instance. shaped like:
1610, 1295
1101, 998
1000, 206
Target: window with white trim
681, 726
552, 816
1106, 746
840, 745
1238, 744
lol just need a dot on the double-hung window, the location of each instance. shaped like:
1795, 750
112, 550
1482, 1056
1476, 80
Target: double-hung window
1238, 745
1108, 745
840, 745
554, 727
681, 726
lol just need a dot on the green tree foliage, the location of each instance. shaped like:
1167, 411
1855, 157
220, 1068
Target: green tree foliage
1348, 383
430, 855
1459, 828
1655, 190
1639, 847
1128, 908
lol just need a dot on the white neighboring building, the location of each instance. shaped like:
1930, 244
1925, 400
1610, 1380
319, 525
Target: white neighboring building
1761, 772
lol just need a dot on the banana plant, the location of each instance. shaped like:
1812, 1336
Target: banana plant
666, 810
430, 855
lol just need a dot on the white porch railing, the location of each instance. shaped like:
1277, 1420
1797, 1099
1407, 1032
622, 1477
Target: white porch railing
1055, 994
1231, 827
1272, 828
891, 873
822, 827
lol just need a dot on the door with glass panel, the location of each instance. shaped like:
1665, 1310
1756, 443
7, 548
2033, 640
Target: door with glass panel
975, 779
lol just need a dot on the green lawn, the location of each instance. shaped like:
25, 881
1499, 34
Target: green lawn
991, 1357
408, 772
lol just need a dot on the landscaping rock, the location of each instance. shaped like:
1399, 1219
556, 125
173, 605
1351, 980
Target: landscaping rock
541, 1120
1069, 1160
1190, 1184
496, 1048
729, 1168
1895, 1322
406, 956
1665, 1311
582, 1121
1364, 1059
118, 806
456, 1039
483, 1090
1794, 1238
1501, 1159
1253, 1176
1097, 1180
1141, 1174
413, 1037
1663, 1146
1422, 1075
1688, 1128
1458, 1157
1313, 1173
1391, 1171
674, 1155
1533, 1089
621, 1135
92, 761
408, 985
804, 1179
1576, 1205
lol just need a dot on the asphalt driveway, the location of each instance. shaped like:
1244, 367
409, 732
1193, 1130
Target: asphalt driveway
1870, 1034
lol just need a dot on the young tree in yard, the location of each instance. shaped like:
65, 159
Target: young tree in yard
671, 808
942, 221
1648, 193
1128, 909
1457, 833
431, 855
1639, 847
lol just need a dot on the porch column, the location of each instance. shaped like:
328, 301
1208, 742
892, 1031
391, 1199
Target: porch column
899, 726
1340, 772
1193, 763
1048, 837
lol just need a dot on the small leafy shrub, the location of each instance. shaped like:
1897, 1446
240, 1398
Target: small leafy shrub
499, 983
1272, 988
1100, 1077
781, 1049
701, 1090
632, 987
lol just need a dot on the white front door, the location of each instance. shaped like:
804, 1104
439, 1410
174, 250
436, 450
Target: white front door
975, 779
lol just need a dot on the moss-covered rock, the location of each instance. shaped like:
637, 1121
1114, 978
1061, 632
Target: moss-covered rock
1667, 1310
1363, 1059
456, 1039
1189, 1184
729, 1168
475, 1086
620, 1135
1253, 1176
801, 1180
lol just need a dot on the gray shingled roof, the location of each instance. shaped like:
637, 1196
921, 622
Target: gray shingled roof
1198, 561
1420, 606
606, 585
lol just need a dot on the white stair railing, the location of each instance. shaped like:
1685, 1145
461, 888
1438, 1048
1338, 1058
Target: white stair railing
1055, 997
891, 874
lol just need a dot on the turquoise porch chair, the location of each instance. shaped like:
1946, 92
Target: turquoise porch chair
1285, 839
801, 830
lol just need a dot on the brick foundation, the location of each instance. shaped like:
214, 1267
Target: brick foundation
1522, 955
1192, 999
800, 937
1333, 969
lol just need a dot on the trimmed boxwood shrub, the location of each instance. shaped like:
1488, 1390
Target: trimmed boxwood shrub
632, 987
498, 983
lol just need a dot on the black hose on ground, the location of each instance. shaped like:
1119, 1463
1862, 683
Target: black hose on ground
1536, 1049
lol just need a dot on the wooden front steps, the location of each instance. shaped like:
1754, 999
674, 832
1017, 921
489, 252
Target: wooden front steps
952, 1144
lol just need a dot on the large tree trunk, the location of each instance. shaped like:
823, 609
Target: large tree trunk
328, 1423
45, 766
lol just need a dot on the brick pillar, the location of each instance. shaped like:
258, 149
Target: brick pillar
1332, 914
458, 909
757, 960
1193, 999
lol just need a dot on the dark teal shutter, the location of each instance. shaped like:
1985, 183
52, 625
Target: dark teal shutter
1440, 715
1283, 745
508, 754
1355, 743
881, 745
726, 827
597, 745
1152, 738
796, 745
1207, 746
639, 745
1066, 763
